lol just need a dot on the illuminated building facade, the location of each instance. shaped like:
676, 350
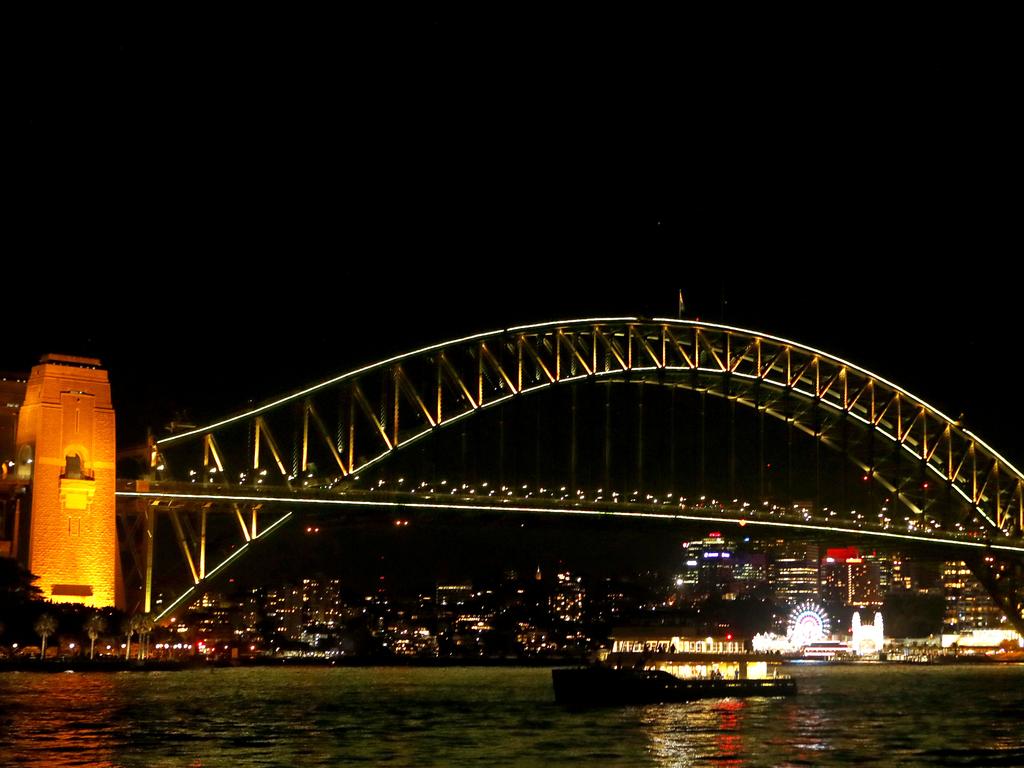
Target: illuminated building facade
566, 600
849, 578
66, 453
309, 609
794, 572
685, 655
968, 605
749, 571
867, 638
708, 566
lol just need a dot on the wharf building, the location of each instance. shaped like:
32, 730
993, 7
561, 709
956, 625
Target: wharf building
687, 656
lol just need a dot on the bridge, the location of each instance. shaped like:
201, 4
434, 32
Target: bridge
944, 487
807, 443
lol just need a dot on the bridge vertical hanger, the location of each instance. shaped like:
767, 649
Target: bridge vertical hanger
352, 427
731, 405
537, 443
672, 438
501, 447
816, 410
572, 442
305, 438
640, 437
702, 490
150, 512
607, 438
202, 541
395, 388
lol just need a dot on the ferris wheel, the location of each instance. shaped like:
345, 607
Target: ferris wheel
808, 623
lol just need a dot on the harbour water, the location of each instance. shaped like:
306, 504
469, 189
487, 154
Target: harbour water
844, 715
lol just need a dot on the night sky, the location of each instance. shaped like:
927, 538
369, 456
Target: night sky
224, 211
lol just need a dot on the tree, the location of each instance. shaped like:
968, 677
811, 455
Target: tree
144, 623
128, 627
16, 585
94, 626
45, 626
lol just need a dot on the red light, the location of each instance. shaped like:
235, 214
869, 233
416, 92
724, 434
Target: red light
865, 478
729, 636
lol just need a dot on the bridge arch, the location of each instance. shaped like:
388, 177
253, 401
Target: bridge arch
385, 407
392, 404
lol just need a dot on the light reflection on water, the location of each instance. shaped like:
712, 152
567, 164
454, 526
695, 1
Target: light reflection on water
502, 717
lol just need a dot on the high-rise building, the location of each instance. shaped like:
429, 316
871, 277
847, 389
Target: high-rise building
284, 611
793, 571
968, 605
567, 597
708, 566
452, 597
864, 588
849, 578
749, 571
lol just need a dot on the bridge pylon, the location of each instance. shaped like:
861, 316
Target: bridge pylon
66, 453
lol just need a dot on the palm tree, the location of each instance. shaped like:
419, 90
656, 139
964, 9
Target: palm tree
45, 626
94, 626
128, 629
145, 625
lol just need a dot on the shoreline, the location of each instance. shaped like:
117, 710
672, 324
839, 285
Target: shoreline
165, 665
162, 665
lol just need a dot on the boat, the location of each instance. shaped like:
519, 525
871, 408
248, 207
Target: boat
653, 665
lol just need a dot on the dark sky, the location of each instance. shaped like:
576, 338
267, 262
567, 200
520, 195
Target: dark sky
224, 209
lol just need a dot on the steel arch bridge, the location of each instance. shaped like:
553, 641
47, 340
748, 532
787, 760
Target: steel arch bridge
355, 421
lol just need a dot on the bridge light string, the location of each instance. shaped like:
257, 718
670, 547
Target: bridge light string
382, 364
585, 512
223, 564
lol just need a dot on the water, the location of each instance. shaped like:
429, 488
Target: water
855, 715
